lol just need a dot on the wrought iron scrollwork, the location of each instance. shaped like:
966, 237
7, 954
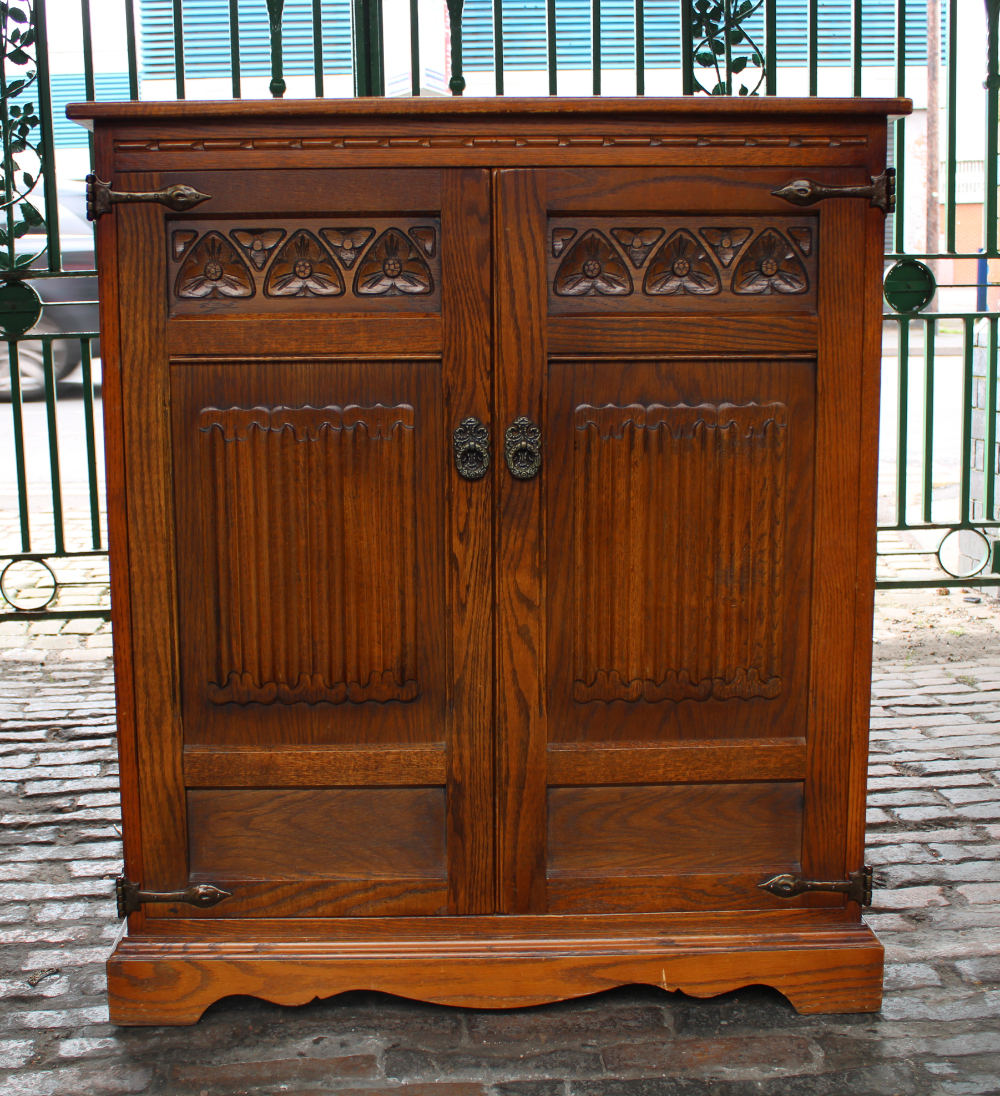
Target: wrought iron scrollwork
100, 197
881, 194
472, 448
857, 886
130, 897
523, 448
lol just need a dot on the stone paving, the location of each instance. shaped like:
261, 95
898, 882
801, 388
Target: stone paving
934, 836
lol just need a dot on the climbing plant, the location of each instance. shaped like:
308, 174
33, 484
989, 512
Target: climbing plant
724, 46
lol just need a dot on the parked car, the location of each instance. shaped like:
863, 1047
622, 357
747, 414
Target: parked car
68, 304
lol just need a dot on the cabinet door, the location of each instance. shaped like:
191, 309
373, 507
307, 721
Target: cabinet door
309, 572
676, 586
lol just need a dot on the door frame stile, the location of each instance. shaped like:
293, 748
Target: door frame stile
840, 347
520, 234
467, 317
147, 439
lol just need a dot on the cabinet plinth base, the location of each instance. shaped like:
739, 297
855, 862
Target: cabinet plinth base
153, 979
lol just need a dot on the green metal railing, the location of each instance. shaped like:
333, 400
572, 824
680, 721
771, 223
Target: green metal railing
725, 47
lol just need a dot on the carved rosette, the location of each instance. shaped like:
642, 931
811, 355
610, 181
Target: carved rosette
770, 265
214, 269
682, 266
593, 267
303, 268
393, 267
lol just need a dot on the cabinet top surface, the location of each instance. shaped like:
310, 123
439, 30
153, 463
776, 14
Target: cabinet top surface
457, 109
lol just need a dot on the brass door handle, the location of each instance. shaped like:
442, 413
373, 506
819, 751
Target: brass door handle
881, 194
523, 448
472, 448
100, 197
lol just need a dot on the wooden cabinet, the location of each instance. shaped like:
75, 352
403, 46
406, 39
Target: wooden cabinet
492, 490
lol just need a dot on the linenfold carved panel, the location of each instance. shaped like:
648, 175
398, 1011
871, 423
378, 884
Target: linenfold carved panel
308, 516
305, 265
688, 501
681, 264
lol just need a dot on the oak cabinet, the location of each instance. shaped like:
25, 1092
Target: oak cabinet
492, 494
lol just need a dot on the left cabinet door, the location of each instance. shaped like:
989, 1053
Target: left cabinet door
308, 571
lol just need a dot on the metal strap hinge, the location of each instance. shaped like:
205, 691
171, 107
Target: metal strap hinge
857, 886
130, 897
100, 197
881, 194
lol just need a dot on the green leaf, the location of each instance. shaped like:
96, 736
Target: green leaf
739, 64
18, 57
4, 263
15, 112
719, 89
743, 90
3, 238
15, 86
28, 211
29, 37
718, 48
26, 260
17, 15
17, 146
757, 60
736, 36
21, 229
705, 59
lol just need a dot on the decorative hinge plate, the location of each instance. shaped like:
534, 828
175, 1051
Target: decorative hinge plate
857, 886
130, 897
881, 194
100, 197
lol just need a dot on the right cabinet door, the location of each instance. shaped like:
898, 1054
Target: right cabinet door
690, 539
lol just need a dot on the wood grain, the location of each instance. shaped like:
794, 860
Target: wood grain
681, 335
313, 337
294, 834
467, 318
306, 766
520, 554
719, 761
151, 549
674, 829
827, 969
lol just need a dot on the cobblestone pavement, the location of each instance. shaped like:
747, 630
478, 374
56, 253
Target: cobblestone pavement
934, 825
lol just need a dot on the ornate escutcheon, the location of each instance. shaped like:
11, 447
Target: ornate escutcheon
130, 897
857, 886
472, 448
523, 448
100, 197
881, 194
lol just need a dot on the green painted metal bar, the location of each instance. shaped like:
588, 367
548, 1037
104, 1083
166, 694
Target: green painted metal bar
551, 46
952, 159
86, 367
88, 51
595, 44
498, 45
277, 86
857, 42
640, 48
457, 82
369, 65
990, 426
60, 614
813, 47
930, 335
178, 15
235, 74
133, 60
899, 134
20, 471
992, 85
44, 86
317, 29
687, 49
933, 583
53, 429
902, 417
967, 382
770, 47
414, 48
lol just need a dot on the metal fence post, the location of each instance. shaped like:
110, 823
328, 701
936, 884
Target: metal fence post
369, 63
